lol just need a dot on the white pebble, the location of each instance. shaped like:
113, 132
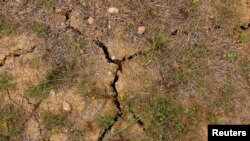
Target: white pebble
141, 29
66, 106
109, 73
91, 20
113, 10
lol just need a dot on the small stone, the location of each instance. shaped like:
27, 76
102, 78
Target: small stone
113, 57
52, 93
58, 10
109, 73
66, 106
113, 10
141, 29
81, 51
91, 20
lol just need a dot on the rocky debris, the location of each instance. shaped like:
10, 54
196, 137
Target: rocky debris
66, 106
141, 29
91, 20
113, 10
109, 73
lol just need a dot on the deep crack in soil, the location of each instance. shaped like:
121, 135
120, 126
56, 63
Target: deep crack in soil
245, 28
17, 53
113, 85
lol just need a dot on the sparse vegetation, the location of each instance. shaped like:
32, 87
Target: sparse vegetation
11, 121
160, 42
243, 37
6, 81
6, 26
52, 120
34, 63
232, 56
105, 121
49, 4
52, 80
39, 28
193, 4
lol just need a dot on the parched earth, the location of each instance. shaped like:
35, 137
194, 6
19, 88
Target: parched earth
76, 70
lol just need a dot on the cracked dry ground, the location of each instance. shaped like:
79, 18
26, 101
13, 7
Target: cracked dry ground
63, 78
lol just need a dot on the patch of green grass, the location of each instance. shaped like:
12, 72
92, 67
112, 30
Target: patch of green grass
11, 120
243, 37
225, 100
53, 79
39, 28
6, 81
105, 121
34, 63
193, 5
164, 113
48, 4
160, 42
212, 118
192, 62
161, 114
51, 120
6, 26
232, 56
41, 90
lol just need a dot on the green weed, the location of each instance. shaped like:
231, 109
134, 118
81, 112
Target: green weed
159, 43
48, 4
53, 79
193, 5
243, 37
51, 120
225, 100
105, 121
192, 62
6, 26
212, 118
39, 28
34, 63
232, 56
11, 120
6, 81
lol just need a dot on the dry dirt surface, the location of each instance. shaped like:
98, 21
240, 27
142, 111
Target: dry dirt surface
125, 70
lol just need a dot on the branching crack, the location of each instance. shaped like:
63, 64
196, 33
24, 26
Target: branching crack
119, 63
16, 53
